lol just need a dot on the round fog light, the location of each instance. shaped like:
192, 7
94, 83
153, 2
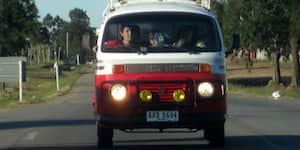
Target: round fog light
146, 96
179, 96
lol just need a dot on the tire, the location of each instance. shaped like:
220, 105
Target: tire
215, 136
105, 136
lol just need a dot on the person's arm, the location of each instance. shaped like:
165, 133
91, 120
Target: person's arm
95, 48
112, 44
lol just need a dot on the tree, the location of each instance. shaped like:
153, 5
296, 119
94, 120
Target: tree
218, 9
44, 35
18, 25
293, 13
58, 31
48, 25
48, 22
260, 24
272, 27
78, 27
231, 20
55, 26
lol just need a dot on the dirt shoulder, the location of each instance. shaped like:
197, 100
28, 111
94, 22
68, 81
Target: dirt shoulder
237, 69
255, 83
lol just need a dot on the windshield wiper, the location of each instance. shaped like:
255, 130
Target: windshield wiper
192, 51
142, 50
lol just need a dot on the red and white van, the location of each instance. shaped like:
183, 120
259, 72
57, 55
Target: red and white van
164, 86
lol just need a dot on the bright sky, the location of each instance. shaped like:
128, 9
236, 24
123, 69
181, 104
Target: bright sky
62, 8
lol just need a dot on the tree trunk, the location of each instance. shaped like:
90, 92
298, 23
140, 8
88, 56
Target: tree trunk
38, 55
48, 54
2, 88
295, 63
29, 55
276, 67
43, 54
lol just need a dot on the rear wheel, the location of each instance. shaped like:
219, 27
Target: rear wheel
105, 136
215, 136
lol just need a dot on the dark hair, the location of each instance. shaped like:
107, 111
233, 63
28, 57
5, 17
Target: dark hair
122, 26
185, 31
188, 33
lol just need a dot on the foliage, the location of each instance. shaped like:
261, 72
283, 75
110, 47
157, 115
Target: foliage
260, 24
78, 27
267, 24
21, 31
18, 25
55, 27
292, 12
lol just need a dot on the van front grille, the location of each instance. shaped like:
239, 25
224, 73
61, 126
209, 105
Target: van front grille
152, 68
164, 91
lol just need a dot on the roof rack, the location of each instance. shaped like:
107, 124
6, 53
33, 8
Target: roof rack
113, 4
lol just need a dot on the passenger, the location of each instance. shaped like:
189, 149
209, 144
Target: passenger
126, 38
152, 40
158, 39
184, 38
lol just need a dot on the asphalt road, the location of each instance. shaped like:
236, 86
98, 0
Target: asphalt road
68, 123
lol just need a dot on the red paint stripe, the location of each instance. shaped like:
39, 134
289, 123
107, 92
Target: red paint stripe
158, 77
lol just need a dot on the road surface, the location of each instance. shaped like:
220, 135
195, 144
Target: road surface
67, 123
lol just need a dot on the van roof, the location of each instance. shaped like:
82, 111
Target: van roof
144, 6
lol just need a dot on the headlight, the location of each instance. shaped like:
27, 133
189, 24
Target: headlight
118, 92
205, 89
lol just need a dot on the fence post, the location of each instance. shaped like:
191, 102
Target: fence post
57, 76
20, 82
78, 60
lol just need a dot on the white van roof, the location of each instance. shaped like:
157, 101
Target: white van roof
115, 7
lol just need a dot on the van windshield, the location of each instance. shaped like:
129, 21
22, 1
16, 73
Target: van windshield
161, 33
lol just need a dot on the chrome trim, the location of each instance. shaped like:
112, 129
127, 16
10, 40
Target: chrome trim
150, 68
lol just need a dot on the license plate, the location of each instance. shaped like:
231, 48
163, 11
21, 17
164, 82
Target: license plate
162, 116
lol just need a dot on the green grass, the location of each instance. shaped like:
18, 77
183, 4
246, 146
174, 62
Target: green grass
263, 91
40, 86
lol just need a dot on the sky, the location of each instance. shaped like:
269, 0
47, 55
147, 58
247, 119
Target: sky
93, 8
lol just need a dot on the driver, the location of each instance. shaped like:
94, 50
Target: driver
126, 38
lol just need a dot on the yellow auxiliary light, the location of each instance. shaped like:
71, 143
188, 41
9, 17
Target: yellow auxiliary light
146, 96
179, 96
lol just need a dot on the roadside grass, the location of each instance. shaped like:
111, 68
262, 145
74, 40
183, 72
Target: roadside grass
263, 91
40, 86
256, 83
